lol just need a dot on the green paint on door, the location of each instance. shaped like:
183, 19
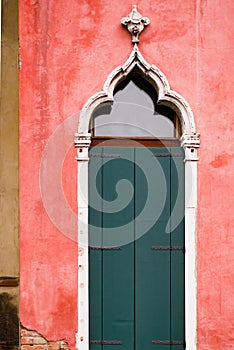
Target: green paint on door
136, 255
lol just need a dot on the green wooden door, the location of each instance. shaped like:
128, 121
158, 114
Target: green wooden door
136, 253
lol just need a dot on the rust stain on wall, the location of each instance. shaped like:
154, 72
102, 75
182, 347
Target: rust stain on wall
221, 160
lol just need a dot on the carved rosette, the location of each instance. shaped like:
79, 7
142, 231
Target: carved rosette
82, 144
190, 144
135, 23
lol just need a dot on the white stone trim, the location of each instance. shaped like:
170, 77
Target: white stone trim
82, 144
190, 141
190, 252
156, 77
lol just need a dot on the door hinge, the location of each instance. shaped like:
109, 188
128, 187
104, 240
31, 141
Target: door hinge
106, 342
168, 342
168, 248
105, 155
104, 248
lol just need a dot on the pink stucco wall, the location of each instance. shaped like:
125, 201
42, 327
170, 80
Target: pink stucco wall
67, 49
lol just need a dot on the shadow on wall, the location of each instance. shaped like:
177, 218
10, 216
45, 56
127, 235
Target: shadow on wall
9, 323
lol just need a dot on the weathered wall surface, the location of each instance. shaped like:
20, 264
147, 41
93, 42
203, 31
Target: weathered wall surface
9, 223
67, 50
215, 221
9, 257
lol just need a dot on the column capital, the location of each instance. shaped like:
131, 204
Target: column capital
190, 143
82, 143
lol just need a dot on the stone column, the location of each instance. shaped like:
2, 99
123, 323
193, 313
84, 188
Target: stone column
82, 143
190, 143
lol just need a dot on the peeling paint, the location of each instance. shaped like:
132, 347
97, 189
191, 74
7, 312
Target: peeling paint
31, 339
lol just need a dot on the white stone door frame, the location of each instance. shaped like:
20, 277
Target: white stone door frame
190, 142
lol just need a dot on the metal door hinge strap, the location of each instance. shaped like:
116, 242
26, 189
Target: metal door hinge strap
106, 342
167, 155
105, 155
168, 342
168, 248
104, 248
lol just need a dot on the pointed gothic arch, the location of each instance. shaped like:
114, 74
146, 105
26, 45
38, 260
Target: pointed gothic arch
166, 96
190, 143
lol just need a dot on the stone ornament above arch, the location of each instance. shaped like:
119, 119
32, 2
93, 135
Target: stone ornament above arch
135, 23
190, 138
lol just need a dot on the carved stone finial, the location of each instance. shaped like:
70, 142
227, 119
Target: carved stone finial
135, 23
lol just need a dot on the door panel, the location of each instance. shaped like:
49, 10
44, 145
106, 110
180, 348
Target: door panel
136, 254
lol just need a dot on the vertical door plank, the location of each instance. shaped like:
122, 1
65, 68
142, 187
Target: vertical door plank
177, 240
152, 267
118, 233
95, 241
